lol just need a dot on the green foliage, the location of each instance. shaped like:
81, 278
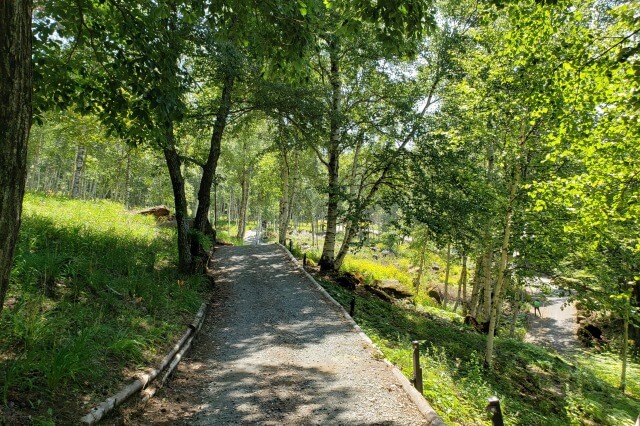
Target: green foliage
374, 270
94, 293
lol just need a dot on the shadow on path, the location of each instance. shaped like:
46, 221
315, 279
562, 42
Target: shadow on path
556, 328
274, 351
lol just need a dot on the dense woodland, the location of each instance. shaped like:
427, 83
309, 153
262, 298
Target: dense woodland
503, 133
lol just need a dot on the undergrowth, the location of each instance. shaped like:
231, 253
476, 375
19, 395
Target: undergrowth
93, 297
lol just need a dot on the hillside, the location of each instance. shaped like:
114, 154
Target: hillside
94, 298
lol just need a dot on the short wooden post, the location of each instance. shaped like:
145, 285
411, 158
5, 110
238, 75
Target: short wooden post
496, 412
290, 246
352, 307
417, 369
304, 260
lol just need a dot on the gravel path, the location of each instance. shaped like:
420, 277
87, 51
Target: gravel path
275, 351
556, 328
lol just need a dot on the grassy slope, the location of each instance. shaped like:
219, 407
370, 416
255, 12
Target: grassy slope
535, 386
93, 297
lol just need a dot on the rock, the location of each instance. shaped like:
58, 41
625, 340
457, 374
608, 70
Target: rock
590, 334
414, 270
349, 280
435, 267
387, 252
480, 327
580, 319
156, 211
435, 295
393, 288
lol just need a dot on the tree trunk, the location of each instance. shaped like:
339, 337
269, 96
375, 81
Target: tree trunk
327, 260
127, 181
201, 221
446, 277
487, 261
285, 210
502, 267
77, 172
229, 212
294, 185
15, 123
418, 278
475, 292
244, 201
515, 311
462, 284
185, 261
349, 234
625, 346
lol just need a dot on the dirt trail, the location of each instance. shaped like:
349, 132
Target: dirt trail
274, 351
556, 328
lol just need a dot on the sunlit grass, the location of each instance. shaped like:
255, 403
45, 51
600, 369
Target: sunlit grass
94, 293
535, 386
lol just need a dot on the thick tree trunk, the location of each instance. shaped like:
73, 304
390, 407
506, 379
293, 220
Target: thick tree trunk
201, 221
327, 260
185, 261
77, 172
15, 123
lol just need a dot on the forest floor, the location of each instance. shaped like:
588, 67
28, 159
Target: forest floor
274, 350
556, 328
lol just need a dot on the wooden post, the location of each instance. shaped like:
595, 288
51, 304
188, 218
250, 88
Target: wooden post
417, 370
291, 246
304, 260
496, 412
352, 307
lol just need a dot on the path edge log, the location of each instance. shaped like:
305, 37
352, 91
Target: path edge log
150, 391
430, 415
144, 380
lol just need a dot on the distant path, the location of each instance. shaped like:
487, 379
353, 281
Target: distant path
251, 237
557, 327
274, 351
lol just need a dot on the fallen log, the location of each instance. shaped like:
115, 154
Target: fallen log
380, 293
137, 385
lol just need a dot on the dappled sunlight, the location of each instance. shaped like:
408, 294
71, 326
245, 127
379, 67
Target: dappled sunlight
275, 351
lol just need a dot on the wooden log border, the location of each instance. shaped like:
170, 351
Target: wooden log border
430, 415
170, 360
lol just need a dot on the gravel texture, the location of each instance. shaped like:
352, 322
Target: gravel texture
557, 326
275, 351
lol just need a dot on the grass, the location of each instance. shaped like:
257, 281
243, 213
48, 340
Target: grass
93, 297
535, 386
